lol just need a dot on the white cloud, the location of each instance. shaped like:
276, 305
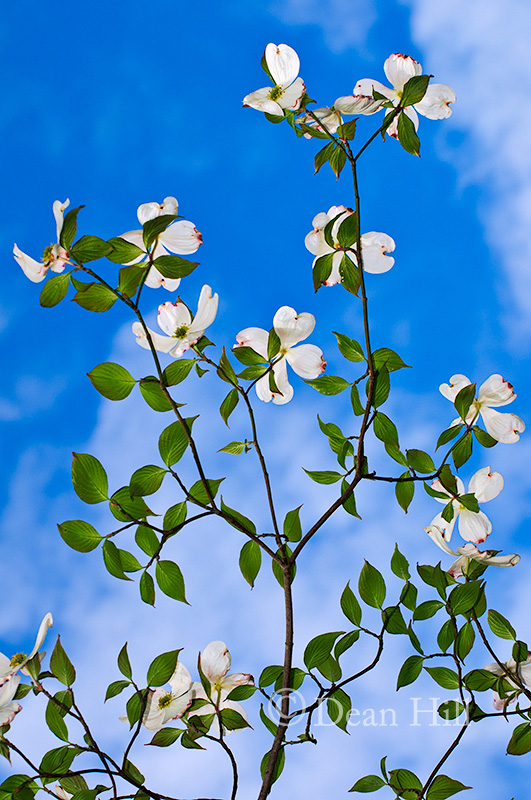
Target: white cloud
482, 50
345, 23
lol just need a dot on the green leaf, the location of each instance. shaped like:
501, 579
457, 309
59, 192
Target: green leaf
350, 275
407, 136
404, 491
404, 782
462, 450
124, 665
279, 765
269, 675
170, 580
350, 606
166, 736
232, 720
409, 671
337, 160
385, 357
450, 709
396, 454
347, 233
154, 227
371, 586
325, 476
464, 597
174, 266
442, 787
449, 434
385, 429
114, 689
177, 371
500, 626
132, 772
162, 668
414, 90
112, 560
68, 231
408, 596
347, 130
321, 270
153, 394
338, 707
55, 721
382, 387
323, 156
130, 278
173, 441
146, 480
292, 525
349, 348
147, 588
125, 507
242, 692
393, 620
79, 535
400, 565
250, 561
89, 248
484, 438
480, 680
61, 666
58, 761
357, 407
420, 461
465, 641
228, 405
469, 501
147, 540
234, 448
96, 297
520, 741
319, 648
198, 491
247, 356
89, 478
445, 677
520, 651
273, 344
345, 643
427, 610
112, 380
54, 290
464, 399
329, 384
123, 252
369, 783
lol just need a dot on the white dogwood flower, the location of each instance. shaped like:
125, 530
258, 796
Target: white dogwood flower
9, 707
162, 706
180, 237
494, 392
54, 257
327, 118
374, 245
357, 103
399, 69
474, 526
469, 552
523, 672
215, 661
181, 329
8, 666
305, 359
283, 65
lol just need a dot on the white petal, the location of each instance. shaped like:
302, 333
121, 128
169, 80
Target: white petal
366, 86
283, 63
5, 668
170, 205
436, 102
34, 270
335, 276
474, 527
8, 690
135, 237
451, 390
153, 718
148, 211
399, 69
230, 682
8, 713
256, 339
315, 242
374, 247
207, 309
261, 101
161, 343
503, 561
172, 316
307, 361
215, 661
485, 485
357, 104
436, 534
181, 237
285, 388
504, 428
292, 96
444, 527
181, 680
156, 279
437, 485
58, 211
262, 389
496, 392
41, 635
291, 327
178, 706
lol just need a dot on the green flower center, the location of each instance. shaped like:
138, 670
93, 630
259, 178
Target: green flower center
18, 659
181, 332
48, 254
165, 700
276, 92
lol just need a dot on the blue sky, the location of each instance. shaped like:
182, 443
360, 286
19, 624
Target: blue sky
114, 105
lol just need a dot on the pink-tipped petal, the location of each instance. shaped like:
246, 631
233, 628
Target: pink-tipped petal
504, 428
291, 327
374, 247
445, 528
451, 390
58, 212
34, 270
474, 527
436, 102
357, 104
436, 534
366, 86
495, 391
292, 96
161, 343
261, 101
173, 316
283, 63
255, 338
485, 485
285, 389
215, 661
307, 361
181, 237
207, 308
399, 69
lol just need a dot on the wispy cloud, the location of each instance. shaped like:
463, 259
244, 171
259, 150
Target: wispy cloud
345, 23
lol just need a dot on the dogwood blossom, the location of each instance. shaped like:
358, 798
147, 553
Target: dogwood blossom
9, 707
306, 359
357, 103
162, 706
180, 237
494, 392
399, 69
328, 118
54, 257
474, 526
523, 672
215, 661
469, 552
374, 246
8, 666
283, 65
181, 329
